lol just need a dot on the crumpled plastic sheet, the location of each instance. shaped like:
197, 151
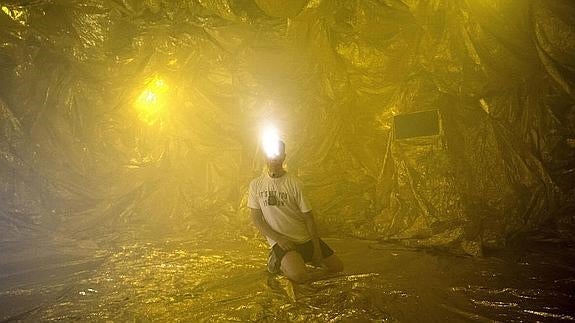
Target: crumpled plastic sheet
92, 198
332, 74
183, 279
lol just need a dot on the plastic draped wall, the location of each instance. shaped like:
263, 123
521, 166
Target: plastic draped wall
78, 154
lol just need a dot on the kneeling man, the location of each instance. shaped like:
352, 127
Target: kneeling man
282, 214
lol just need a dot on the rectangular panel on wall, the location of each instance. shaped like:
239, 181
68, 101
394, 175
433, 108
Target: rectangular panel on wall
416, 124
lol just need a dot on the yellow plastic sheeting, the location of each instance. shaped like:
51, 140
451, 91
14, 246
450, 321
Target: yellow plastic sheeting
195, 280
78, 155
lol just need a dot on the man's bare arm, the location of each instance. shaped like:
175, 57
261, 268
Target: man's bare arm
266, 230
312, 229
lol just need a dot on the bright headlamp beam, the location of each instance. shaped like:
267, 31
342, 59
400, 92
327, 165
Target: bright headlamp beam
271, 141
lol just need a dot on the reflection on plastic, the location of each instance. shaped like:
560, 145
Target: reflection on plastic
225, 279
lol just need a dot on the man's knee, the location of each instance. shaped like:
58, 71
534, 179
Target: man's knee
336, 268
293, 267
334, 264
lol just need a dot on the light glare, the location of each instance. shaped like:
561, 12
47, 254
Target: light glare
152, 101
270, 141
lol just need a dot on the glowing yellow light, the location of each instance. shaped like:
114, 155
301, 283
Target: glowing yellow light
149, 97
152, 101
159, 85
270, 141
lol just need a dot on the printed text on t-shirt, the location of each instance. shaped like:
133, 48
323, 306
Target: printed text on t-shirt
273, 198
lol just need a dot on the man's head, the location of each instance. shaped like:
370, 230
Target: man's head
275, 163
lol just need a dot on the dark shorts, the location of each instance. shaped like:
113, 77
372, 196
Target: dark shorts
305, 250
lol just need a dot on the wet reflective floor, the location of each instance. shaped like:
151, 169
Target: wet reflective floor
225, 279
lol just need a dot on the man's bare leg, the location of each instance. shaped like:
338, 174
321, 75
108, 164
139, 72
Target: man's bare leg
293, 267
333, 263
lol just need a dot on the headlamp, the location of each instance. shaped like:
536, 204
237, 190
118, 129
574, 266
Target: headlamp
271, 141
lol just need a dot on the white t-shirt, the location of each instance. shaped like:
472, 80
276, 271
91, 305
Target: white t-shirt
282, 203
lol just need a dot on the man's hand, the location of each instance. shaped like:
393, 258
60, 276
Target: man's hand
317, 257
285, 243
266, 230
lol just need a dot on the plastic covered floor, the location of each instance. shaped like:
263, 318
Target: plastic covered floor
192, 280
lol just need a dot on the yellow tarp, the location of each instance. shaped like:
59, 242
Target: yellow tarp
89, 146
